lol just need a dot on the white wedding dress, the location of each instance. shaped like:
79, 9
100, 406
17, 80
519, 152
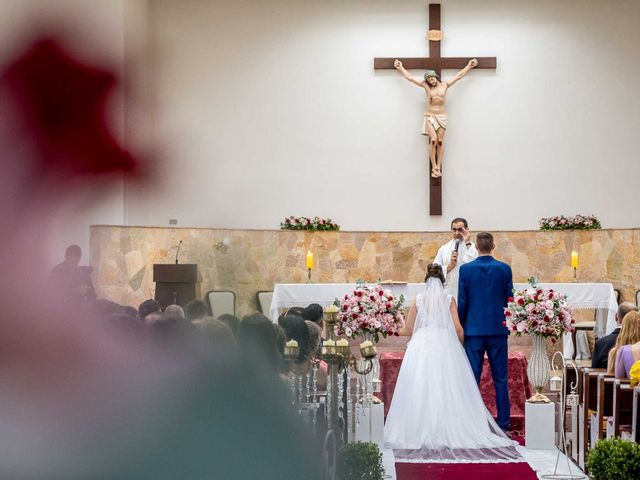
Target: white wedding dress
437, 413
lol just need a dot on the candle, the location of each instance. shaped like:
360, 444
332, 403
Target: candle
328, 343
309, 260
574, 259
366, 343
331, 309
292, 343
342, 343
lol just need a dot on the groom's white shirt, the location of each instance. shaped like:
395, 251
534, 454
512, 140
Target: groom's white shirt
443, 258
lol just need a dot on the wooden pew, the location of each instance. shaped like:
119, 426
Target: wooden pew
605, 406
588, 403
622, 406
635, 420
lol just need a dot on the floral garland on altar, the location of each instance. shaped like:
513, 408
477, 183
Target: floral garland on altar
372, 310
536, 311
578, 222
305, 223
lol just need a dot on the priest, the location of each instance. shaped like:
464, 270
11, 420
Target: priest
458, 251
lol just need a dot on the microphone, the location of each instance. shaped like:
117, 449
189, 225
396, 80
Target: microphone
457, 245
178, 251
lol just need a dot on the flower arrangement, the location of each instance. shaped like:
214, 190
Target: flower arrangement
578, 222
370, 310
305, 223
540, 312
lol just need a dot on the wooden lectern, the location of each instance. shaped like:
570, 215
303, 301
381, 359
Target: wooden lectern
176, 284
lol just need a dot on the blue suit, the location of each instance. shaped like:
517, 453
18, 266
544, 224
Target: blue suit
484, 287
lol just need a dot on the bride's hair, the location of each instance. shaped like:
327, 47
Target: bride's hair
434, 270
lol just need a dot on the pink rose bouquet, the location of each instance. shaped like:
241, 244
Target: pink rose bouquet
536, 311
370, 310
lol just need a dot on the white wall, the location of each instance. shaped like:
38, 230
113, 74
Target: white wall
272, 108
94, 31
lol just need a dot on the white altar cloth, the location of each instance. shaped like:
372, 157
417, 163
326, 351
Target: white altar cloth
599, 296
302, 294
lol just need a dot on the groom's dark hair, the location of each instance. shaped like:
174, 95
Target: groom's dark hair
434, 270
484, 242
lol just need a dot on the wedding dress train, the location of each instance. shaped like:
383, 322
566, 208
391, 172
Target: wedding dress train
437, 413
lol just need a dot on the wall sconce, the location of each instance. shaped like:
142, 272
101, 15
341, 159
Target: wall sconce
223, 246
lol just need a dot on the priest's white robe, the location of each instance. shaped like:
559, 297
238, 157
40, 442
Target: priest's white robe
443, 258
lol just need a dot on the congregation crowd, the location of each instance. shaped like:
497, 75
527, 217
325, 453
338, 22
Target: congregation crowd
619, 352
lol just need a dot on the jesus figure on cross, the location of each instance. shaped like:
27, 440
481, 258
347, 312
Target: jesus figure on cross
435, 119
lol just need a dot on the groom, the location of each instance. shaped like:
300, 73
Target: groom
483, 289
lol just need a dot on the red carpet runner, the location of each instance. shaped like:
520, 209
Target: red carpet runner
464, 471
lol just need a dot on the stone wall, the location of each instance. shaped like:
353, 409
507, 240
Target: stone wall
255, 260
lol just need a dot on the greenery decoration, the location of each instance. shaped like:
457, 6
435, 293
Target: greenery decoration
360, 461
614, 459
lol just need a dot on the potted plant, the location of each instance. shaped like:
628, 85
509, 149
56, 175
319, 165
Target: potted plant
360, 461
614, 459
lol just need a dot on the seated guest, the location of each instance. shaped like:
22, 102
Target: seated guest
170, 335
299, 311
314, 338
175, 311
634, 374
122, 325
281, 340
155, 317
600, 357
196, 310
257, 344
216, 343
295, 329
147, 307
626, 349
314, 313
232, 322
70, 280
314, 349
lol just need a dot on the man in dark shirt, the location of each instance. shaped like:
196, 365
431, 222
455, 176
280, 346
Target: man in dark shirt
600, 357
70, 280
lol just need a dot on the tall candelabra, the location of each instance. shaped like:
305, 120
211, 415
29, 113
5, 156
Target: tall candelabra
340, 361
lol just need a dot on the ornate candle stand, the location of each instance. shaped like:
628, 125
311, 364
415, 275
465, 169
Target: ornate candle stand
337, 354
558, 384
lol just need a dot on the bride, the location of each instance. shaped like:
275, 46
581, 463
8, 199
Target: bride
437, 413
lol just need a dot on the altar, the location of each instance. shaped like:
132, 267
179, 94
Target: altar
598, 296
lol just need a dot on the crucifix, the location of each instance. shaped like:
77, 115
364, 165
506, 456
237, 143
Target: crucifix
434, 124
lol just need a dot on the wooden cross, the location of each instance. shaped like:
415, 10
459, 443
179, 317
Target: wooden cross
434, 62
